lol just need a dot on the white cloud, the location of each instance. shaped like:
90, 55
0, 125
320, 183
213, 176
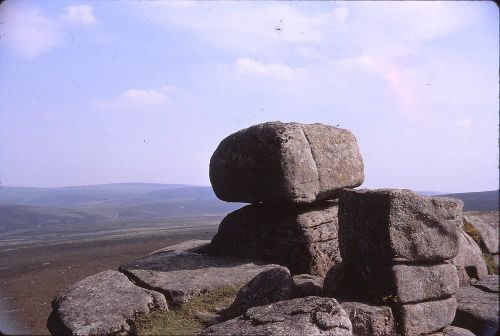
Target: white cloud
80, 14
249, 66
26, 31
139, 99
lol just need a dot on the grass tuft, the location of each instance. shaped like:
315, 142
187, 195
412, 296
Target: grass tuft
188, 319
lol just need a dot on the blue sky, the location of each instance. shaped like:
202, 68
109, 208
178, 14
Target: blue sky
122, 91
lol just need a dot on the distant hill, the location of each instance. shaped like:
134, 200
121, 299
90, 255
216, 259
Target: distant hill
478, 201
59, 213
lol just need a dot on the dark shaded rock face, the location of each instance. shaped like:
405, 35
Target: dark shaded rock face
304, 316
426, 317
102, 304
370, 320
279, 162
478, 309
469, 260
486, 223
308, 285
181, 275
267, 287
302, 238
379, 226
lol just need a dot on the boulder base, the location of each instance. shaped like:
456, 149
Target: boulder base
302, 238
370, 320
426, 317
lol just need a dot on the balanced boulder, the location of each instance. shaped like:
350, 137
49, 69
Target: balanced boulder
285, 162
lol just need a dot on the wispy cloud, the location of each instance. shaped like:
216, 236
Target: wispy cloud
141, 100
26, 31
249, 66
80, 14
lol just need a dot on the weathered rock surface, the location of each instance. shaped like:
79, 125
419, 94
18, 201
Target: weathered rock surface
302, 238
102, 304
426, 317
370, 320
181, 275
477, 311
303, 316
285, 162
389, 224
488, 283
469, 261
487, 224
308, 285
267, 287
194, 245
452, 331
415, 283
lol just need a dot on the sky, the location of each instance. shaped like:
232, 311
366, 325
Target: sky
122, 91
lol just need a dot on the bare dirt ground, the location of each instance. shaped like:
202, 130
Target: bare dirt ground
31, 277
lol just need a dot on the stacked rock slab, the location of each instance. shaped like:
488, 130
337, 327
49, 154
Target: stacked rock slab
396, 247
290, 172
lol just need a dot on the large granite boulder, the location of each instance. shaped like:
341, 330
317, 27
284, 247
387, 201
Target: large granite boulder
302, 238
478, 310
181, 275
386, 225
452, 331
304, 316
488, 284
469, 260
370, 320
103, 304
426, 317
486, 224
267, 287
285, 162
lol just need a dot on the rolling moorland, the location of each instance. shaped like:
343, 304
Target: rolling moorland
52, 237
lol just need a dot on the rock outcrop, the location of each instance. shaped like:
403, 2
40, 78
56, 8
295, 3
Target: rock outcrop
486, 224
395, 246
469, 260
308, 285
279, 162
102, 304
181, 275
302, 238
303, 316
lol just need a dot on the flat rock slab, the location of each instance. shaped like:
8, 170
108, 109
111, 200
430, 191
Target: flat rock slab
370, 320
477, 311
385, 225
194, 245
426, 317
415, 283
285, 162
181, 275
487, 224
488, 284
102, 304
304, 316
267, 287
469, 260
302, 238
